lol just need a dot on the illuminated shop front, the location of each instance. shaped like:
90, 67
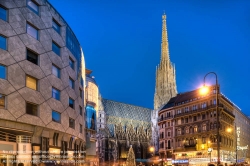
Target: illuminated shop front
91, 117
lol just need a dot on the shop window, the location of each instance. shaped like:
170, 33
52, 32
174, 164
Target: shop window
55, 139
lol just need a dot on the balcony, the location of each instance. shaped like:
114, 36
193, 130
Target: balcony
165, 118
194, 111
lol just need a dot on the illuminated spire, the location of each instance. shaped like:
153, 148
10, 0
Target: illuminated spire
164, 40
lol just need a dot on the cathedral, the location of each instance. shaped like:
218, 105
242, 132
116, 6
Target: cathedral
121, 125
165, 83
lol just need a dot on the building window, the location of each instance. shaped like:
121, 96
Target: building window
32, 109
2, 101
71, 123
186, 120
195, 129
169, 134
32, 31
179, 131
204, 127
2, 72
100, 115
56, 26
168, 114
186, 109
203, 116
195, 118
80, 91
55, 48
56, 116
187, 130
178, 111
80, 110
56, 71
81, 81
32, 57
3, 14
71, 83
179, 121
55, 93
71, 103
33, 6
80, 128
55, 139
31, 82
203, 140
3, 43
168, 124
71, 63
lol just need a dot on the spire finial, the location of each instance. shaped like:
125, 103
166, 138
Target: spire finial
164, 12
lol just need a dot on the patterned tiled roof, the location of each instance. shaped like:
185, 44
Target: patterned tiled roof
125, 114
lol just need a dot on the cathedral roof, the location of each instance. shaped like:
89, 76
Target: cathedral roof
125, 114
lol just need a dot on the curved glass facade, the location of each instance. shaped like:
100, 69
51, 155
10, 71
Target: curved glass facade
91, 117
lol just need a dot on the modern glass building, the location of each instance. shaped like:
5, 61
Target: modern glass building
42, 73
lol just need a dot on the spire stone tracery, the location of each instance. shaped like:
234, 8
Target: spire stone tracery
165, 86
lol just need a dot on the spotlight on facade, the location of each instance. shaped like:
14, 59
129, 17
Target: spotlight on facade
151, 149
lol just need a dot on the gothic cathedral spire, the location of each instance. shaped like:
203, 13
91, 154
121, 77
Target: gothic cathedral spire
165, 83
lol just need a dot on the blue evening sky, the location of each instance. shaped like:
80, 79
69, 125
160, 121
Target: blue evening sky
121, 40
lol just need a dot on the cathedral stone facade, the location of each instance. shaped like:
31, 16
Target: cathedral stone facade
126, 125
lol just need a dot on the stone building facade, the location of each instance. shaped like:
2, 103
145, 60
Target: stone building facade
41, 85
188, 127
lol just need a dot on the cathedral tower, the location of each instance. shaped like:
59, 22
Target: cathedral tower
165, 85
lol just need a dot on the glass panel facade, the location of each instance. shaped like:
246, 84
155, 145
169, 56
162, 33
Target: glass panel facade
31, 82
2, 72
55, 71
31, 109
32, 6
91, 117
3, 14
55, 94
71, 103
3, 43
71, 123
32, 57
71, 83
56, 116
32, 31
55, 48
56, 26
2, 101
73, 45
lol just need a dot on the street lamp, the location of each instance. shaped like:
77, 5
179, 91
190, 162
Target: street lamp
236, 148
204, 90
209, 150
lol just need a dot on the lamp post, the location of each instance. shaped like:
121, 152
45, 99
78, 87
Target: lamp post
217, 112
209, 150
